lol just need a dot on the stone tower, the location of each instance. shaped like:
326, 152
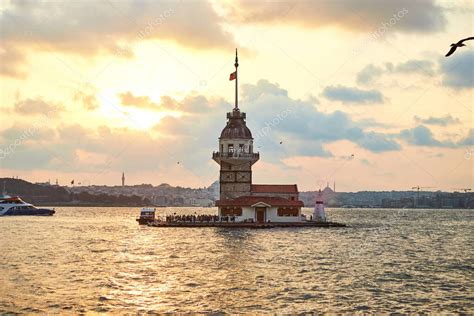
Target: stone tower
235, 155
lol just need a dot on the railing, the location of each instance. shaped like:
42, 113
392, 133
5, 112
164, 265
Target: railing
235, 154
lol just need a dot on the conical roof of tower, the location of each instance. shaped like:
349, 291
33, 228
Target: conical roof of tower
236, 127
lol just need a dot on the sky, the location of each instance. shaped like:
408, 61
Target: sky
353, 92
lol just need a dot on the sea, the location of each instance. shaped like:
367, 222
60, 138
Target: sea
99, 260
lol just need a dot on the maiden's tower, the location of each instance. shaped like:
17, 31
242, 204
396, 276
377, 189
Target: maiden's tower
239, 197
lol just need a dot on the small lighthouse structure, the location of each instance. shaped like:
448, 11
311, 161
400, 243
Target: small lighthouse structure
319, 215
123, 179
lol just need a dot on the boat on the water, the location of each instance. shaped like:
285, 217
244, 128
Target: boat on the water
14, 206
147, 215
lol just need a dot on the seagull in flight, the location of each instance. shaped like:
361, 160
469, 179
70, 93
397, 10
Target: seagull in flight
458, 44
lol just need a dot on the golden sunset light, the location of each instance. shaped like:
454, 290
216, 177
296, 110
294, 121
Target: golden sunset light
149, 128
155, 67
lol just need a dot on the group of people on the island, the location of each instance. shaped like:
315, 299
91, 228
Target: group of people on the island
198, 218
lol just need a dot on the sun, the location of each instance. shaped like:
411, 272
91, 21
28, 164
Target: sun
142, 119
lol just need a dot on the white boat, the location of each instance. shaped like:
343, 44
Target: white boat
14, 206
147, 215
319, 215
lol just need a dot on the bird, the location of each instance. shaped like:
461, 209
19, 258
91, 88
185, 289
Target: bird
281, 143
458, 44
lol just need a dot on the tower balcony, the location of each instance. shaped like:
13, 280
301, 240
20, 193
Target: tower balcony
235, 156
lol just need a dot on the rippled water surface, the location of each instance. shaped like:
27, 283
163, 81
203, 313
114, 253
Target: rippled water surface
100, 260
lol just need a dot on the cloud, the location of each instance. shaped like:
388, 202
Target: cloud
378, 142
352, 95
440, 121
369, 73
458, 70
89, 101
273, 117
413, 66
300, 125
143, 102
421, 16
192, 103
263, 88
198, 104
469, 139
37, 106
370, 122
422, 67
11, 63
16, 132
91, 28
422, 136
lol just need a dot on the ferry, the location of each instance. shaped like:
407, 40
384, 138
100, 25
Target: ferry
14, 206
147, 215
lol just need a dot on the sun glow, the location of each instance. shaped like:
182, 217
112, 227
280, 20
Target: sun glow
140, 119
129, 116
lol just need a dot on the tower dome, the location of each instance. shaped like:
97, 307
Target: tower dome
236, 127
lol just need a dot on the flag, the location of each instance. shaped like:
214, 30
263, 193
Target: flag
233, 76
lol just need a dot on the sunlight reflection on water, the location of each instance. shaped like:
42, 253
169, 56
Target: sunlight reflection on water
100, 260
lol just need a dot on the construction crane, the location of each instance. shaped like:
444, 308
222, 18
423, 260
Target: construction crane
462, 189
418, 188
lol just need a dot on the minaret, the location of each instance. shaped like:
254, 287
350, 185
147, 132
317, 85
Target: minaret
235, 155
123, 179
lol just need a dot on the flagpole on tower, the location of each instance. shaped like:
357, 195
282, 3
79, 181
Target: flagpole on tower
236, 80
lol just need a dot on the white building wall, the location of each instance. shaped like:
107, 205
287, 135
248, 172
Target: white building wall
271, 214
247, 213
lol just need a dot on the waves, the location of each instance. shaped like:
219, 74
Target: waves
99, 260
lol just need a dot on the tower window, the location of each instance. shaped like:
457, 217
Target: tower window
241, 148
230, 148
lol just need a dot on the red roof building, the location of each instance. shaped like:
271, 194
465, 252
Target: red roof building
275, 188
254, 199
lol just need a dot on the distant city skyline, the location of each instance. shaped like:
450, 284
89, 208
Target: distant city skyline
354, 92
